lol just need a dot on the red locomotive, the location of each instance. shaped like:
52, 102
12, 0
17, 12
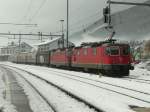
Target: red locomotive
107, 57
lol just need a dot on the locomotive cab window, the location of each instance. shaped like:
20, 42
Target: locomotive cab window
107, 50
112, 51
125, 50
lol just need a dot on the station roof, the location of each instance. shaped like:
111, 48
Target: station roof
48, 41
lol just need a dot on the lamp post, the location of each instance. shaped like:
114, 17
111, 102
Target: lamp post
62, 26
67, 22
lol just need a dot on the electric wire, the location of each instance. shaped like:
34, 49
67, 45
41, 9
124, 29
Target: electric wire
28, 11
38, 10
78, 25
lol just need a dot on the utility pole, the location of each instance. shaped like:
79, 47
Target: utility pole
67, 22
19, 50
109, 16
62, 23
51, 37
41, 37
19, 44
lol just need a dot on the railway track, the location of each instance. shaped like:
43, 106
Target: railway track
90, 105
137, 80
66, 75
89, 81
77, 78
49, 104
102, 82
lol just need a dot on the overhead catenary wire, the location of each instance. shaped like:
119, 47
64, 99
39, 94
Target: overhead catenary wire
43, 36
25, 38
21, 38
25, 24
86, 18
28, 11
79, 25
28, 34
4, 36
38, 10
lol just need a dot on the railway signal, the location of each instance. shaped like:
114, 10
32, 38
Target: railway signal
107, 10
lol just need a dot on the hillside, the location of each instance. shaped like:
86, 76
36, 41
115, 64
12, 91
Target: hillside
130, 24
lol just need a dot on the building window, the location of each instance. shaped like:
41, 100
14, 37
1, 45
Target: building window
23, 46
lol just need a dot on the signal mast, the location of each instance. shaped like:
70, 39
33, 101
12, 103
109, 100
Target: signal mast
107, 14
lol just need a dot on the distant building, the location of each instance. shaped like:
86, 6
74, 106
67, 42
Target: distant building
53, 44
12, 49
8, 50
23, 47
147, 49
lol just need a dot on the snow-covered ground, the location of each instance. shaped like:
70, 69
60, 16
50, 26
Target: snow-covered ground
5, 105
142, 70
59, 100
37, 104
102, 95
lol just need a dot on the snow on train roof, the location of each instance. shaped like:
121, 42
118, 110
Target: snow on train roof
110, 42
48, 41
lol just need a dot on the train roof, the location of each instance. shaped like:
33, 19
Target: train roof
102, 43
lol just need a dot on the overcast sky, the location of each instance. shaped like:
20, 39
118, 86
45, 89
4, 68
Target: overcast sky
47, 13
